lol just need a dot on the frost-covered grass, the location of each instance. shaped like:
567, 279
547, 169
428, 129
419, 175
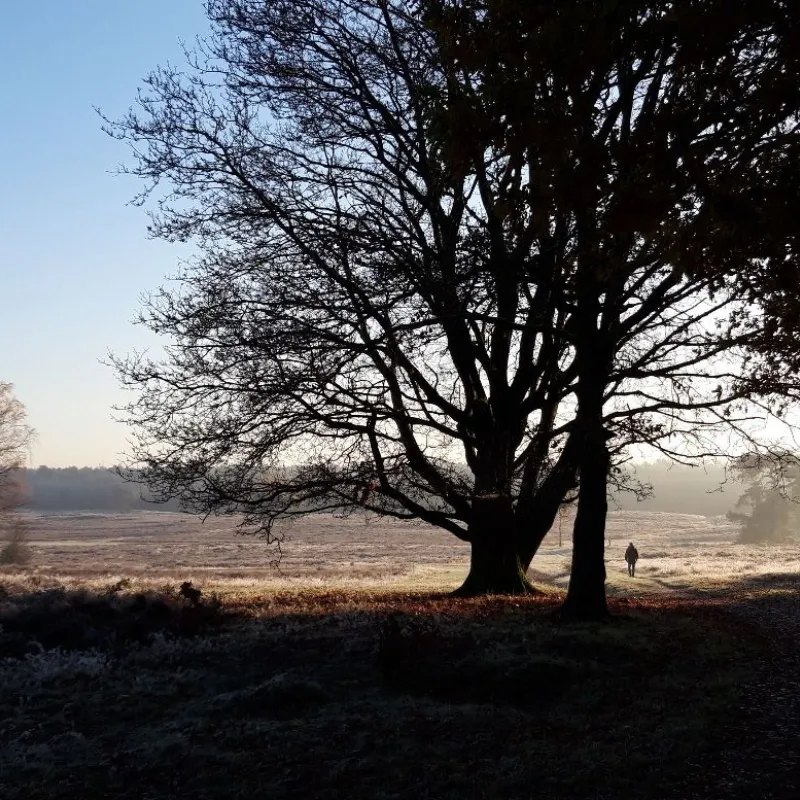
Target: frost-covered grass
363, 694
327, 552
707, 564
344, 675
678, 553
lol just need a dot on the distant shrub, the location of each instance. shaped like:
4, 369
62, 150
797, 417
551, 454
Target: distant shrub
16, 551
767, 512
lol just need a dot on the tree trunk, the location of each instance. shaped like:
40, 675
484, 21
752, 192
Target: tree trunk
586, 596
495, 566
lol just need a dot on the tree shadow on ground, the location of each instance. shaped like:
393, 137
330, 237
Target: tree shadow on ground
768, 581
330, 693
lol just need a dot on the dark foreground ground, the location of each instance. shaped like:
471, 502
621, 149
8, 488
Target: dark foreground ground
130, 691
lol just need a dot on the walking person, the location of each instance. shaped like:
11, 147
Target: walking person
631, 556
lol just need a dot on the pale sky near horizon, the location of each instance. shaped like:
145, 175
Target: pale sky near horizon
74, 257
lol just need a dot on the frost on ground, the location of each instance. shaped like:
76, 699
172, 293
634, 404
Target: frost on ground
678, 551
313, 682
376, 695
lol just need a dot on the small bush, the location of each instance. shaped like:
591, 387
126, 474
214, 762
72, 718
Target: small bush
123, 583
16, 551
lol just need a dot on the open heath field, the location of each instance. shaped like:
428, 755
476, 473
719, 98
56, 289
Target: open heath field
678, 551
349, 671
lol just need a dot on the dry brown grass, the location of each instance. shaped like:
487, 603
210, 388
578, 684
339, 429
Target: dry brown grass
326, 551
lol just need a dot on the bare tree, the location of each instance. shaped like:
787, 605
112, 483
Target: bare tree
361, 329
15, 439
381, 296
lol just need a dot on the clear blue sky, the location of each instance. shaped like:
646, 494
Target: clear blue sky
74, 257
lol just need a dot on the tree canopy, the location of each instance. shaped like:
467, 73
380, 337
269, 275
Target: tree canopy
350, 333
652, 147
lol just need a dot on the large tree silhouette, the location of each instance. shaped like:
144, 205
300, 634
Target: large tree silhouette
361, 329
656, 144
451, 261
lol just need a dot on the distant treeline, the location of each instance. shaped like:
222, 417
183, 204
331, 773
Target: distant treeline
86, 489
677, 489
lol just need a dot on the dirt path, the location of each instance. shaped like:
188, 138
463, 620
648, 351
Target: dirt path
759, 758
